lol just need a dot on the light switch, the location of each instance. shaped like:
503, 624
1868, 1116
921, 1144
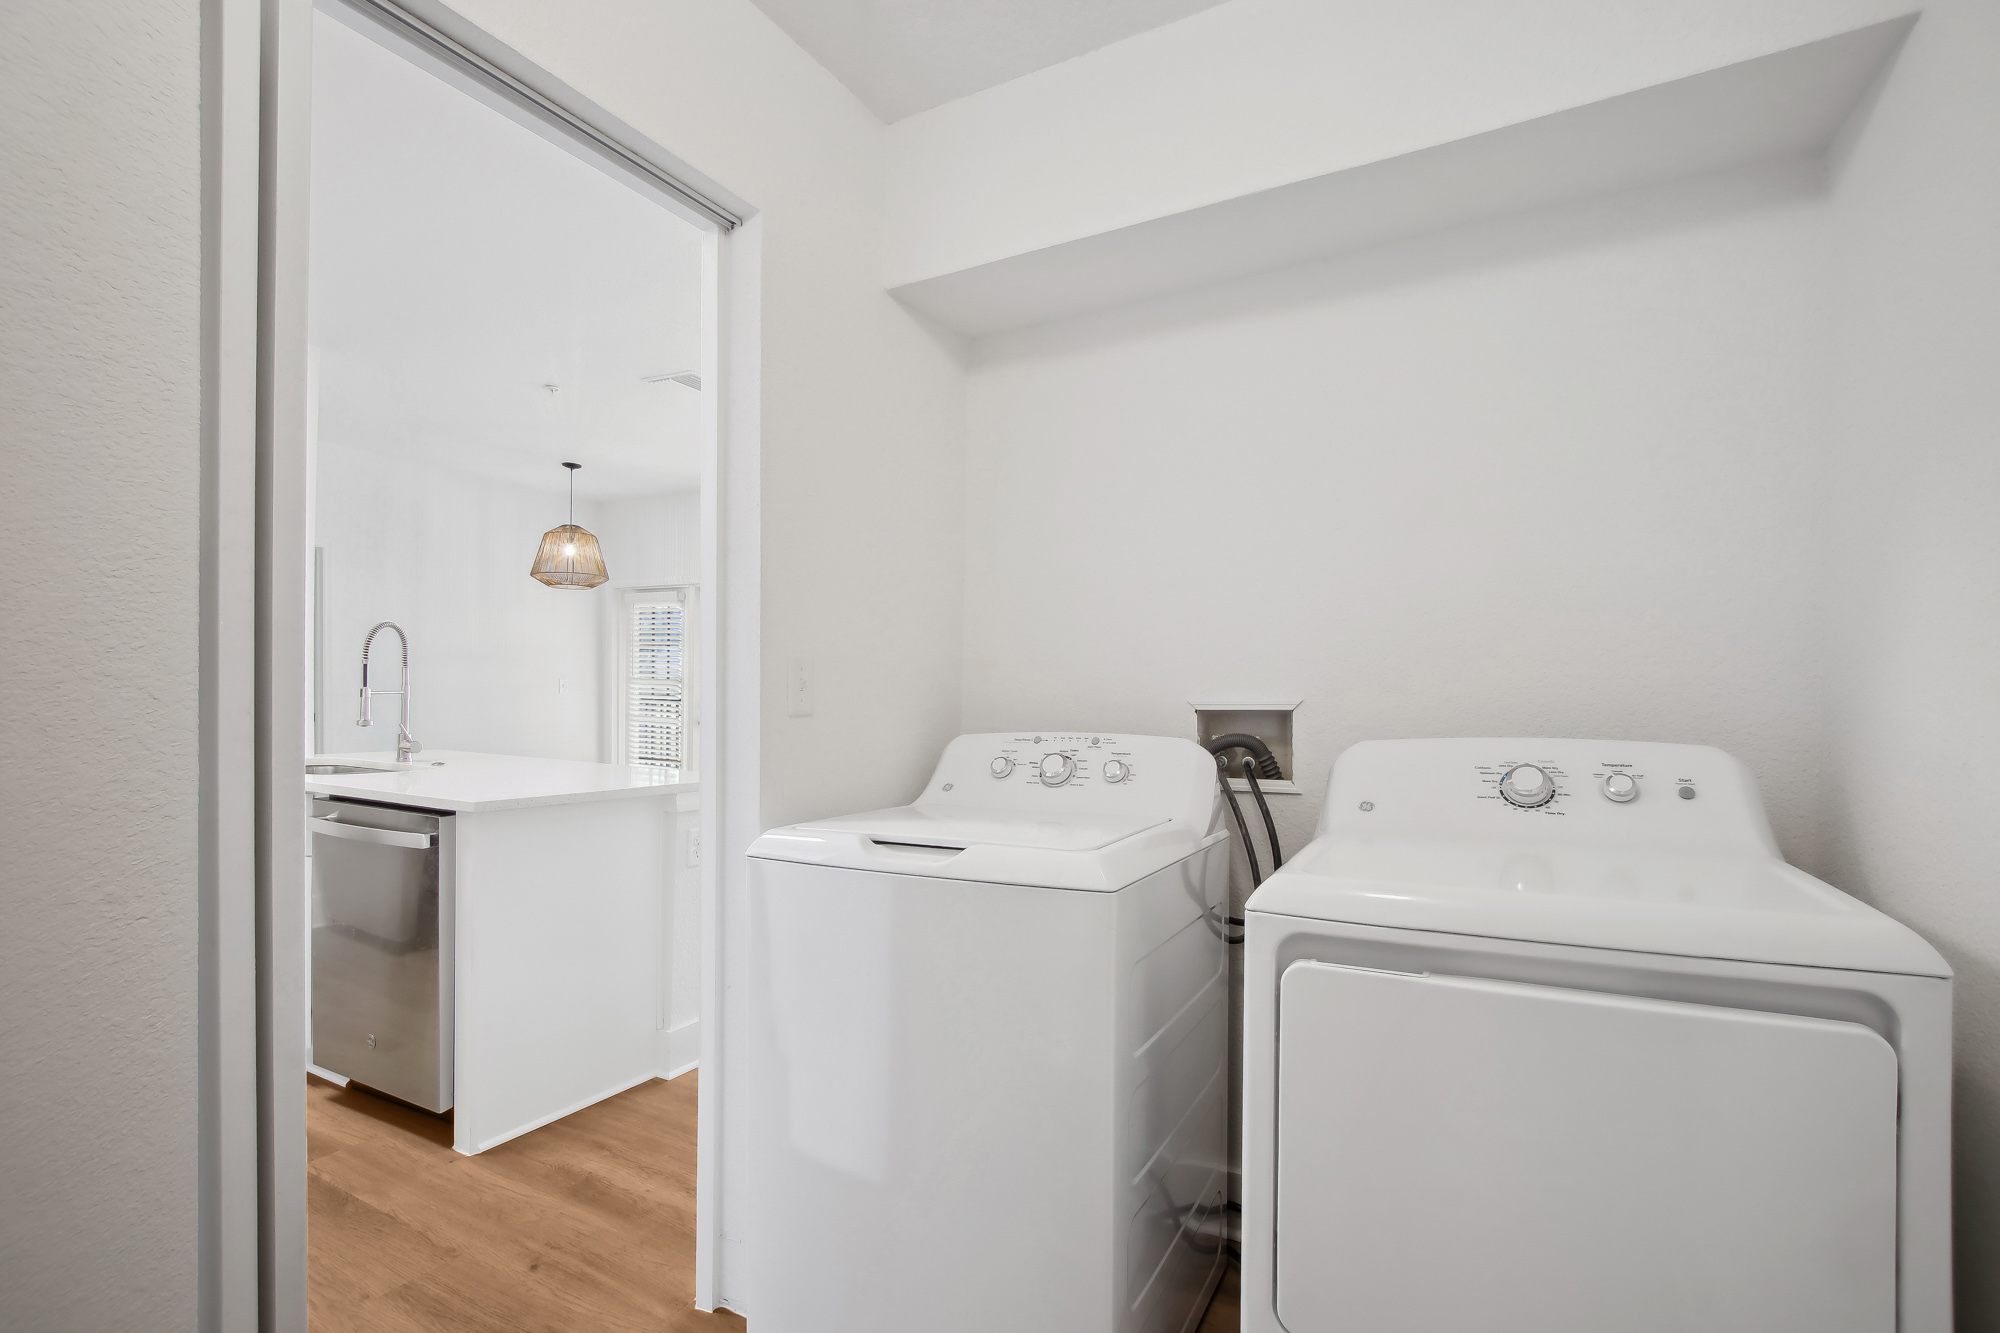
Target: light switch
800, 689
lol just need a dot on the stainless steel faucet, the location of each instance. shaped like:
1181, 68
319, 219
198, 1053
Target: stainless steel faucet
406, 744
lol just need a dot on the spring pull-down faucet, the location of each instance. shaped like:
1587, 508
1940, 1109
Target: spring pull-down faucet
406, 744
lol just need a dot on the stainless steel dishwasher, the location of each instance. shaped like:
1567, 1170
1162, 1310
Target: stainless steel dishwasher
382, 947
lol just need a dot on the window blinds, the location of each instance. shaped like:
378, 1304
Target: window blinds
656, 685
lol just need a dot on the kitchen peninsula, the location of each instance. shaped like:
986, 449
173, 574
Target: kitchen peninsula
496, 934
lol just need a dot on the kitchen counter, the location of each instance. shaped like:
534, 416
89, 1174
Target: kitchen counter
464, 782
566, 962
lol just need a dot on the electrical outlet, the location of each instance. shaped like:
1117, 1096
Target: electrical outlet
799, 691
562, 684
694, 847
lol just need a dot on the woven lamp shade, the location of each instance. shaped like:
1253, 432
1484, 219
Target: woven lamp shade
569, 558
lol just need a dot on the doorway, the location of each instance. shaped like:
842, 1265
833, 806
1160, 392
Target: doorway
488, 300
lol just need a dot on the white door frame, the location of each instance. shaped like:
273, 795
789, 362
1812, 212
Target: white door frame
257, 141
226, 1131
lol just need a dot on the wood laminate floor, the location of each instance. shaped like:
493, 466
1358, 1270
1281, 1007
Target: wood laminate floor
1223, 1312
583, 1225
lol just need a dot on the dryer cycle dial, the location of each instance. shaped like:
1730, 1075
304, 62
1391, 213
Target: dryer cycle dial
1527, 786
1056, 769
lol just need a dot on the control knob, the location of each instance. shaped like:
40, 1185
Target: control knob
1527, 786
1116, 770
1057, 769
1621, 787
1001, 766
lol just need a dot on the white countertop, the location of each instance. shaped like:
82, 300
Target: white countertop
470, 783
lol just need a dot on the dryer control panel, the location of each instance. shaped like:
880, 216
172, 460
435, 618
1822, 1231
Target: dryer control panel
1693, 797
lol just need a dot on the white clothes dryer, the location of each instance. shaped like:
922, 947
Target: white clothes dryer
1545, 1035
990, 1042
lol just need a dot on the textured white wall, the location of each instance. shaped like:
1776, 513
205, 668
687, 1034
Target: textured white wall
100, 270
651, 539
1914, 551
499, 664
1546, 476
1255, 94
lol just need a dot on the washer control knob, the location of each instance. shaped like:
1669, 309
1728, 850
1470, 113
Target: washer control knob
1527, 786
1001, 766
1057, 769
1116, 770
1621, 787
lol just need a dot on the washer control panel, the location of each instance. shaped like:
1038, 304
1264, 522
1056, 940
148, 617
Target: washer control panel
1619, 786
1527, 786
1056, 768
1046, 759
1084, 774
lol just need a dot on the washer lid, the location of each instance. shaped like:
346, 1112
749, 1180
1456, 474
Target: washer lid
1754, 909
961, 827
1048, 809
988, 846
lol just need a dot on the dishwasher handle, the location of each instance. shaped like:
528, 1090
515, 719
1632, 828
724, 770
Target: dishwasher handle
385, 837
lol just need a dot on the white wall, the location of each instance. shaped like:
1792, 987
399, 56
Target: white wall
100, 341
1914, 549
1546, 476
499, 663
650, 539
1256, 94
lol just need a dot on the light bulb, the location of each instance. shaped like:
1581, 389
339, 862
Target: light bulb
570, 549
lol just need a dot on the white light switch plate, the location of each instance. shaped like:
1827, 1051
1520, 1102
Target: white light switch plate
799, 690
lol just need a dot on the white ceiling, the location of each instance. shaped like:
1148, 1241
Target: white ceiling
905, 56
460, 263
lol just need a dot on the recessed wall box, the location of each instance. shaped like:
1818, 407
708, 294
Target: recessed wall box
1270, 722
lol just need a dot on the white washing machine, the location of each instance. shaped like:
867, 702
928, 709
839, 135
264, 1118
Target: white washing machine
991, 1035
1545, 1035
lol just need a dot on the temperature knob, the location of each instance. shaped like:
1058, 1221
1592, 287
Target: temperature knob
1621, 787
1527, 786
1116, 770
1001, 766
1057, 769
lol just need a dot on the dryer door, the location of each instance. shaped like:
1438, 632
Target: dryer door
1456, 1153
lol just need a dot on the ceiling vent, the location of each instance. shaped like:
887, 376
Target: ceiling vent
688, 377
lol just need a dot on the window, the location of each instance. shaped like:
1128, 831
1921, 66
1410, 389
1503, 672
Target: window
656, 711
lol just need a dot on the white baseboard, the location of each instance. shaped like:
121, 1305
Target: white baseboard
682, 1049
571, 1109
682, 1056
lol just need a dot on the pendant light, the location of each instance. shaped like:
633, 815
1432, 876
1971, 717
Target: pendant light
569, 557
